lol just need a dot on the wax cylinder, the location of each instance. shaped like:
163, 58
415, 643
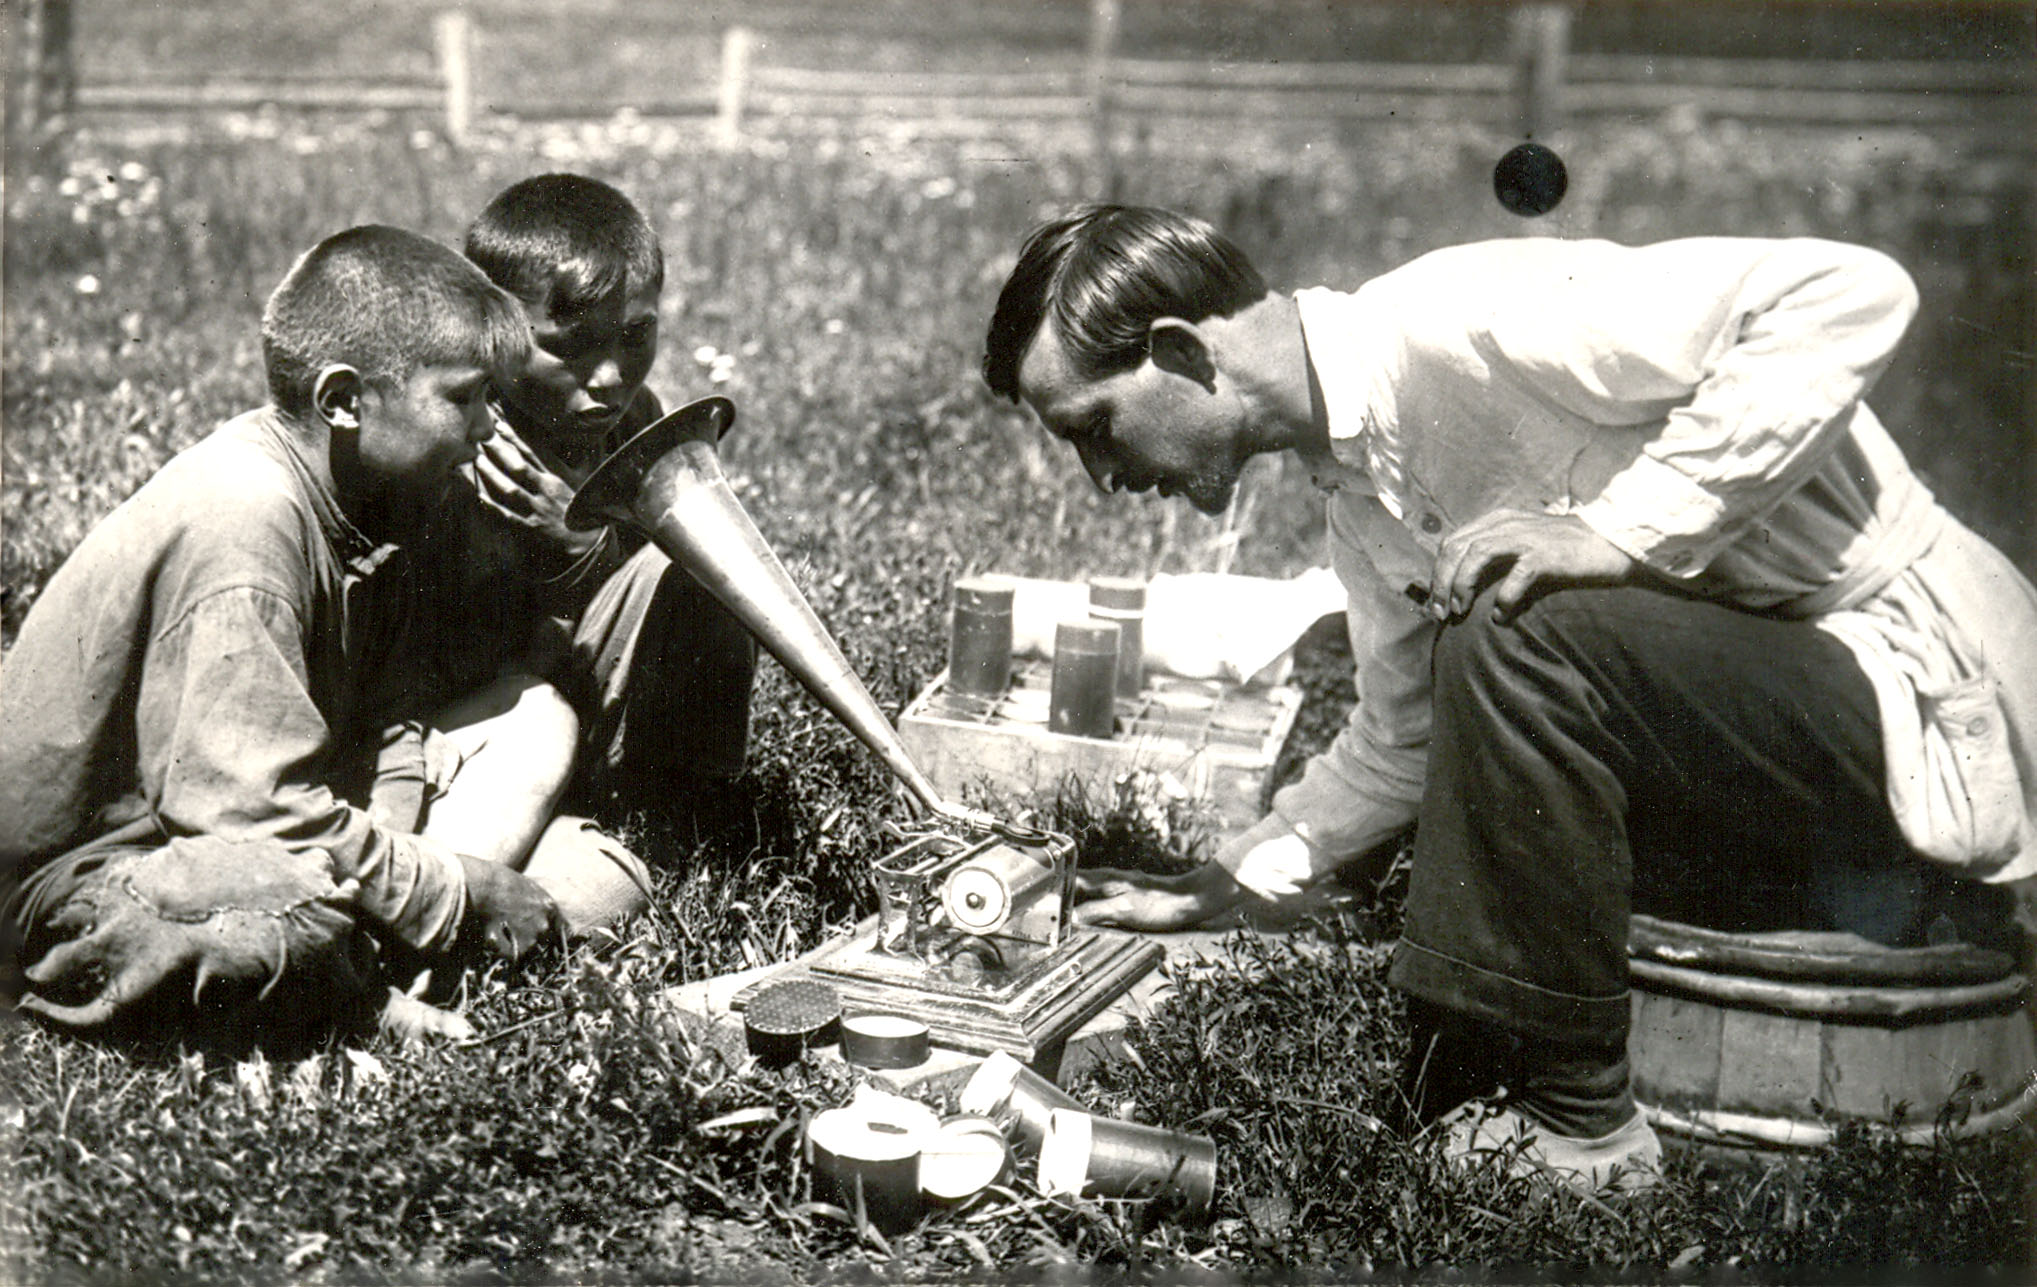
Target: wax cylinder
982, 895
1105, 1157
966, 1156
1082, 700
1015, 1097
1122, 600
869, 1153
979, 639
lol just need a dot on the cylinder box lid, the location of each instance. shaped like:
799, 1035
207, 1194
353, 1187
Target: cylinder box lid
884, 1041
984, 594
1121, 592
796, 1008
1094, 637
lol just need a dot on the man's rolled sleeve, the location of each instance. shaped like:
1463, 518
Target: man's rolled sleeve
232, 744
1367, 785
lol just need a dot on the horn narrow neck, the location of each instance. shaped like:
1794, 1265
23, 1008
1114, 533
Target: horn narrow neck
674, 491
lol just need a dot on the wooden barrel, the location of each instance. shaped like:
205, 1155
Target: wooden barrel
1770, 1041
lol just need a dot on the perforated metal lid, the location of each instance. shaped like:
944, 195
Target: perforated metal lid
794, 1008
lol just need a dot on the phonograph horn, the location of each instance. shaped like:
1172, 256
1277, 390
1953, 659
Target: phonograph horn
667, 483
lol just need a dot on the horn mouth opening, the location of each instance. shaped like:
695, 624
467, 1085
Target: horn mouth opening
606, 495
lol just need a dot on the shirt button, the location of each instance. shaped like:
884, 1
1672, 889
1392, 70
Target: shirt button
1431, 524
1977, 726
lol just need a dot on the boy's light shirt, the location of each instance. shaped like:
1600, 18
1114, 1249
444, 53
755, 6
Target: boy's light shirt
1698, 404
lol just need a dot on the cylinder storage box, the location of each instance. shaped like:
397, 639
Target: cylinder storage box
1770, 1041
1179, 682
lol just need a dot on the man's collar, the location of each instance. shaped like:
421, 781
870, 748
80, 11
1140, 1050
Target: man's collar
1339, 398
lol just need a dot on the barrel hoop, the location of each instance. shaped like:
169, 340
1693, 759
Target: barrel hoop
1744, 1130
1813, 956
1890, 1006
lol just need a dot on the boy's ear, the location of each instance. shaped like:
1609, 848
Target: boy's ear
1178, 348
336, 396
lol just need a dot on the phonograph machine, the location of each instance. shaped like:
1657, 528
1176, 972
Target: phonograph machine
974, 935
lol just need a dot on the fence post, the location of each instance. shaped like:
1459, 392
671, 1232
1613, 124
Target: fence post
453, 38
1103, 39
40, 104
736, 44
1542, 44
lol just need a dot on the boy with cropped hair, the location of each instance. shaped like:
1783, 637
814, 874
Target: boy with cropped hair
213, 758
657, 670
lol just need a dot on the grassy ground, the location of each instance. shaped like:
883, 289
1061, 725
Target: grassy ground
849, 277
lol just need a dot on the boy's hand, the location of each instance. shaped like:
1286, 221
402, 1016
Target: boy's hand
507, 913
518, 485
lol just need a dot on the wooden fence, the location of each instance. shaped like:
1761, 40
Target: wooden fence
1540, 85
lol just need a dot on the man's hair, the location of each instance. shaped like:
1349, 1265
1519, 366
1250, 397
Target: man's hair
385, 302
565, 242
1105, 274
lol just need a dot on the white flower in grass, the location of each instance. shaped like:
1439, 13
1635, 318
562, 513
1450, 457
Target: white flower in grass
86, 285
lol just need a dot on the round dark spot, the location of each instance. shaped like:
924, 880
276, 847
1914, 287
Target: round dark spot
1530, 180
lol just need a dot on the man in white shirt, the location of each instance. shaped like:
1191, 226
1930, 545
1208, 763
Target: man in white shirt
1649, 612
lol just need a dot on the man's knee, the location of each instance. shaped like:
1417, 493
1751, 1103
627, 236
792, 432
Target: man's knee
1478, 650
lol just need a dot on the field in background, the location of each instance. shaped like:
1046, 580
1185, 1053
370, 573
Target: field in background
840, 283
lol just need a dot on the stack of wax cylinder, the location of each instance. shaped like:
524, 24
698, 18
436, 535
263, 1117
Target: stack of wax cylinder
1083, 699
979, 643
1122, 600
867, 1156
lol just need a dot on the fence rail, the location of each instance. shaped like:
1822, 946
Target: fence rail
1542, 84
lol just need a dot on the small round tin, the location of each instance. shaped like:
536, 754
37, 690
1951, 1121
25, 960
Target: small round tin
884, 1041
784, 1019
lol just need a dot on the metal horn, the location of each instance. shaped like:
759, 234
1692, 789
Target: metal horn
667, 483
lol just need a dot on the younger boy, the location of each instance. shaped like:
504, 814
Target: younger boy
211, 728
657, 672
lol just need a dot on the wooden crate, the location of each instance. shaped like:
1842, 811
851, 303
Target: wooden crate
1216, 742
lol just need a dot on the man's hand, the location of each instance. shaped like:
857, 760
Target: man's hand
506, 911
1538, 552
517, 484
1136, 900
1274, 868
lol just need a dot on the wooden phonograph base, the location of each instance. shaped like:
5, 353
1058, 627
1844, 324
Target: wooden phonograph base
980, 994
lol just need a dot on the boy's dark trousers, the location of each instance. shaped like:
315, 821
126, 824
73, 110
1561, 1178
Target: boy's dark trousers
1630, 749
666, 673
